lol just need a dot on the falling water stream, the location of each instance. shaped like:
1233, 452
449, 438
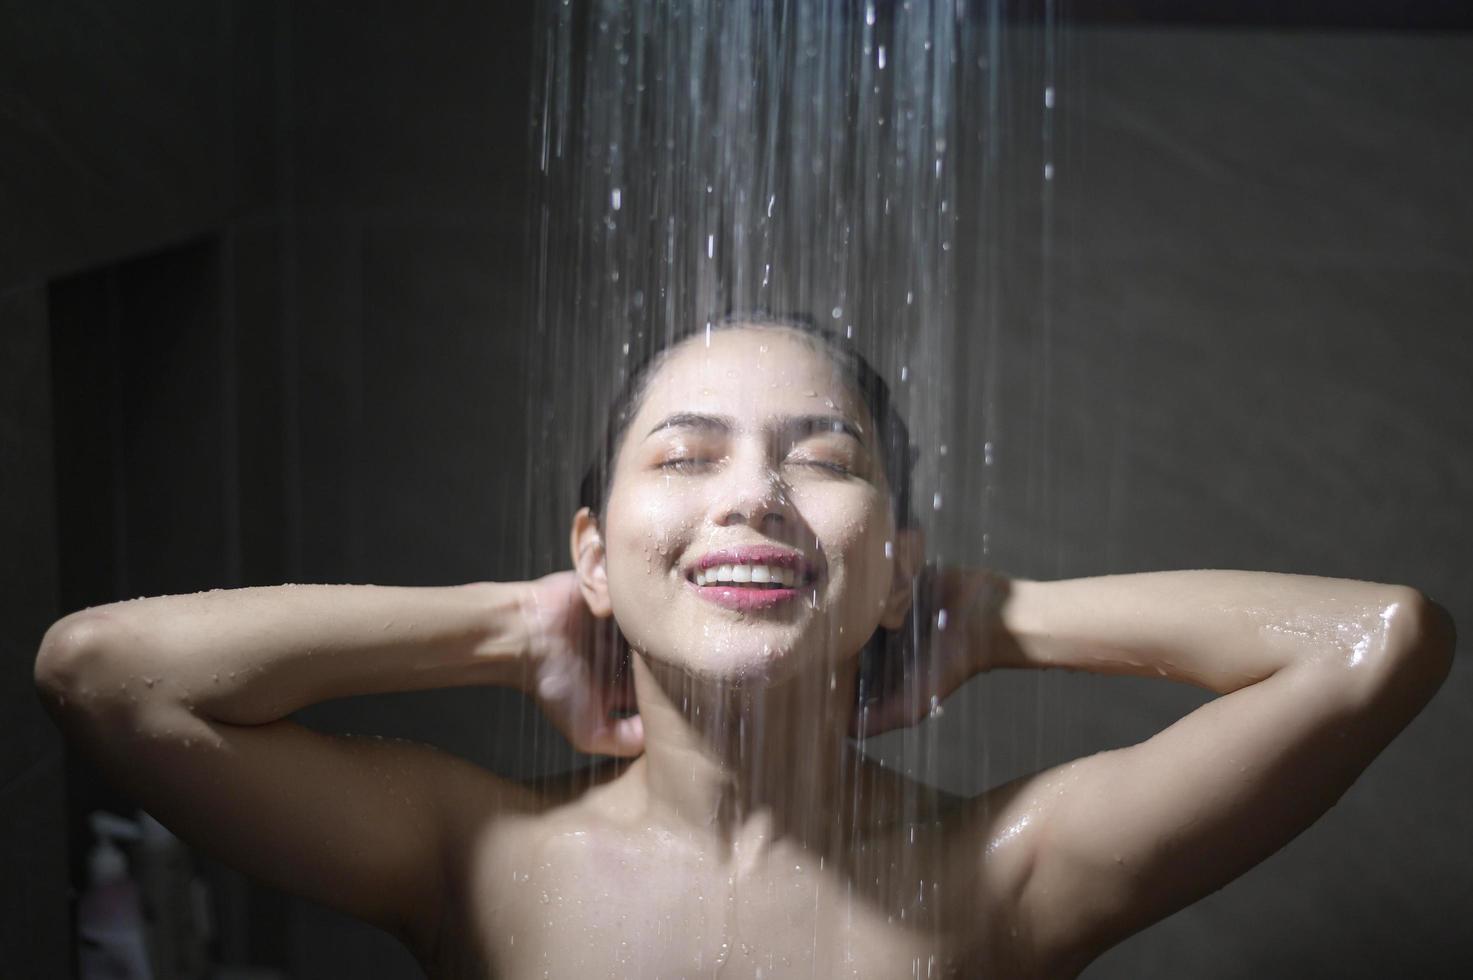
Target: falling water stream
885, 168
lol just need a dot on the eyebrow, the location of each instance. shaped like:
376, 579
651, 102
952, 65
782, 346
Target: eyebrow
796, 424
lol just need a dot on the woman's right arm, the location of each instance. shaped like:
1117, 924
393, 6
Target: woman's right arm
182, 701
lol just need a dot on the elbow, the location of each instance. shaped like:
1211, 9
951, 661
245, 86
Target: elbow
71, 651
1421, 637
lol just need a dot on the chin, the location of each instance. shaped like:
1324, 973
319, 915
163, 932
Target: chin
745, 661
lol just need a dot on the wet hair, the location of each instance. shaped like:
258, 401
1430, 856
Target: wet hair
892, 436
883, 659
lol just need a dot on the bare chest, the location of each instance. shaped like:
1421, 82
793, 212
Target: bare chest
589, 904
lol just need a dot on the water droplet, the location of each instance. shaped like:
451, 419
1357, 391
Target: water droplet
1048, 97
936, 501
616, 199
941, 619
1048, 171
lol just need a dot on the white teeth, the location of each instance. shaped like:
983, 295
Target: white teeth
762, 574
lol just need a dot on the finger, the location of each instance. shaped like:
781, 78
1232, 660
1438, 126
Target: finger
883, 716
618, 737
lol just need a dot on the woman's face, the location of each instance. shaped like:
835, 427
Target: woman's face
748, 531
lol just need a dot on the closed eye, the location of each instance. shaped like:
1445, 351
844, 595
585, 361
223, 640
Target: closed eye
686, 464
838, 468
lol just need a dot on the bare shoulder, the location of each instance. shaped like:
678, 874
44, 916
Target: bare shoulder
497, 835
992, 842
491, 816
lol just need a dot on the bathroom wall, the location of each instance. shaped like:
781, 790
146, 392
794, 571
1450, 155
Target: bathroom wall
1258, 338
123, 129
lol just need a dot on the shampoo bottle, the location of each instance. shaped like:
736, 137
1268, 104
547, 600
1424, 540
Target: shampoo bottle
109, 916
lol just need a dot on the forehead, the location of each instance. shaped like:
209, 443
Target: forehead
751, 373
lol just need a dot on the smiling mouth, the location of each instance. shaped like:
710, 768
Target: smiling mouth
757, 577
749, 588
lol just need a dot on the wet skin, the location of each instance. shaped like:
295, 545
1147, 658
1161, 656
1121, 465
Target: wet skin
749, 835
743, 833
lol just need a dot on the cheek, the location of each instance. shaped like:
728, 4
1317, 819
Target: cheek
854, 525
646, 522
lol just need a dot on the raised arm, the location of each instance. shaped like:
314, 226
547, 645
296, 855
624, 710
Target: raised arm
182, 700
1317, 676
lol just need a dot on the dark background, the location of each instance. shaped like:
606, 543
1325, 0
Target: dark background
263, 302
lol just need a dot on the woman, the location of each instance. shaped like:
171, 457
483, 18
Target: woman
749, 537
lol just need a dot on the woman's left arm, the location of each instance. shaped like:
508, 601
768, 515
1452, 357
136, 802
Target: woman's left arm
1317, 676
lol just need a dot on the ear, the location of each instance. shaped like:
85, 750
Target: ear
587, 546
909, 548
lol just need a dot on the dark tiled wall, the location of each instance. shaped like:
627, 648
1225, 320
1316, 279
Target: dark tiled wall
34, 932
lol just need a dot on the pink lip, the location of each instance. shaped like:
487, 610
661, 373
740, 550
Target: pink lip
734, 596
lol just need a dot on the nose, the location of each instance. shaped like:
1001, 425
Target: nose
752, 492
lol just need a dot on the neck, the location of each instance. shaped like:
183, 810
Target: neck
743, 766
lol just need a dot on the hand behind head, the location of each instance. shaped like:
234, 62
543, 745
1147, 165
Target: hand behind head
959, 612
580, 674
